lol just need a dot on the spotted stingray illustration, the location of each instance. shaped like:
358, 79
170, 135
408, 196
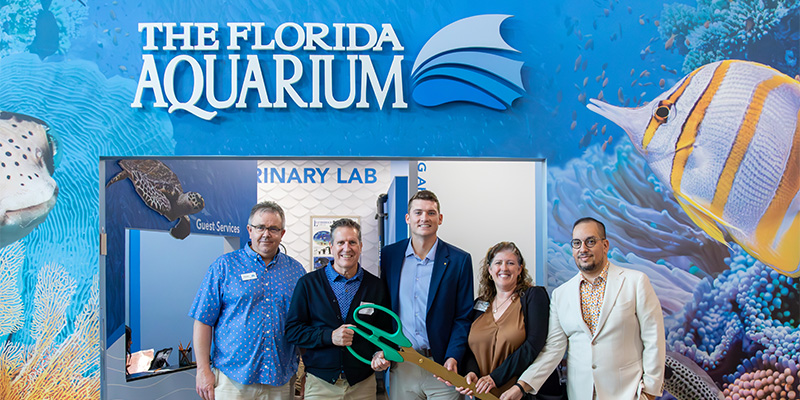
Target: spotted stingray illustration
161, 190
28, 155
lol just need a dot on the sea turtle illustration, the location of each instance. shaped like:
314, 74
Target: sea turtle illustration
161, 190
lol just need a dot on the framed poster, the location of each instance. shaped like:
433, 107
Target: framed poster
321, 239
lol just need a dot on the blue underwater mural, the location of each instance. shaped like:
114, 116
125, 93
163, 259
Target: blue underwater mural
71, 71
730, 314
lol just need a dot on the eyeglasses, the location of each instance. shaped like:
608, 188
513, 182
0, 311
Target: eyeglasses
589, 242
273, 230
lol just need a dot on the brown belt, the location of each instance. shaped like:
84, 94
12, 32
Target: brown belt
426, 352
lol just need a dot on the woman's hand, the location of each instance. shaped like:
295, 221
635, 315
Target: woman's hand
471, 378
512, 394
485, 384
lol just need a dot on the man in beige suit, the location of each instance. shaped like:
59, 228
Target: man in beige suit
609, 321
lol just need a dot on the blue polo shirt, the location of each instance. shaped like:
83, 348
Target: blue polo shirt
246, 303
344, 289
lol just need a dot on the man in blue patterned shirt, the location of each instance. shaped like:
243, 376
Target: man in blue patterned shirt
241, 305
321, 312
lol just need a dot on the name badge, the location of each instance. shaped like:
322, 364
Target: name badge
481, 305
366, 311
249, 276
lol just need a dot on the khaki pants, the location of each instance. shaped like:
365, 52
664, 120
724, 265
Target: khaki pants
227, 389
408, 381
316, 388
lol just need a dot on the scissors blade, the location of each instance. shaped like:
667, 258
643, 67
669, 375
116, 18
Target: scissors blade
413, 356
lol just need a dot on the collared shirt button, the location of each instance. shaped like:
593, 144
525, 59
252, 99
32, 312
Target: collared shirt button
594, 366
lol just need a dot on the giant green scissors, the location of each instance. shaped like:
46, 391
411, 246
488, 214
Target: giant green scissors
406, 352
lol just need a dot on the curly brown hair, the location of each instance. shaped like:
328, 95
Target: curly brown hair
487, 290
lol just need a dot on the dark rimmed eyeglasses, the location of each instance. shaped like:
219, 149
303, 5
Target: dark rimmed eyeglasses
273, 230
589, 242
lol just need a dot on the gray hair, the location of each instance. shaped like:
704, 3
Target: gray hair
267, 206
346, 222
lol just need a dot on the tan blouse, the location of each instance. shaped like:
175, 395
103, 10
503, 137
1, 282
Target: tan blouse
492, 341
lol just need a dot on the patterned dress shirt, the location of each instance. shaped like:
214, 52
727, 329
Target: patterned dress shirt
246, 303
592, 298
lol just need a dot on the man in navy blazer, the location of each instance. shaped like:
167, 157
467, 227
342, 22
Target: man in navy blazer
430, 285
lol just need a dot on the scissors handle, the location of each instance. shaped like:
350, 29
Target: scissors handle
397, 337
388, 352
413, 356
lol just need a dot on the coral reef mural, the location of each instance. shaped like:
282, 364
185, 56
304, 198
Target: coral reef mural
89, 115
48, 368
51, 348
11, 258
73, 65
736, 319
732, 315
745, 321
715, 30
621, 190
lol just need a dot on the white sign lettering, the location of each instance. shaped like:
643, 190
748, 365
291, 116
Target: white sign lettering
192, 83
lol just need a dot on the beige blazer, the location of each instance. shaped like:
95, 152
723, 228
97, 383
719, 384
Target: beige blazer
624, 357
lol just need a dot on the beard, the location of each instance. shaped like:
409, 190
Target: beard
589, 267
595, 265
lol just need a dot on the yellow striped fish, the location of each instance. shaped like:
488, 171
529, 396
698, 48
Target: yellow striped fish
727, 139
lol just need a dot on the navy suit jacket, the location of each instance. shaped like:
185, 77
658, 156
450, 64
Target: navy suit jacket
450, 296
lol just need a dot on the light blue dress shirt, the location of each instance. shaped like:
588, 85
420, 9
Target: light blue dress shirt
415, 283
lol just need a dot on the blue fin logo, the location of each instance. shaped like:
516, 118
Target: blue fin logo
466, 61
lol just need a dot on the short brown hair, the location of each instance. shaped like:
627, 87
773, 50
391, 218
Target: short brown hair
426, 195
487, 291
